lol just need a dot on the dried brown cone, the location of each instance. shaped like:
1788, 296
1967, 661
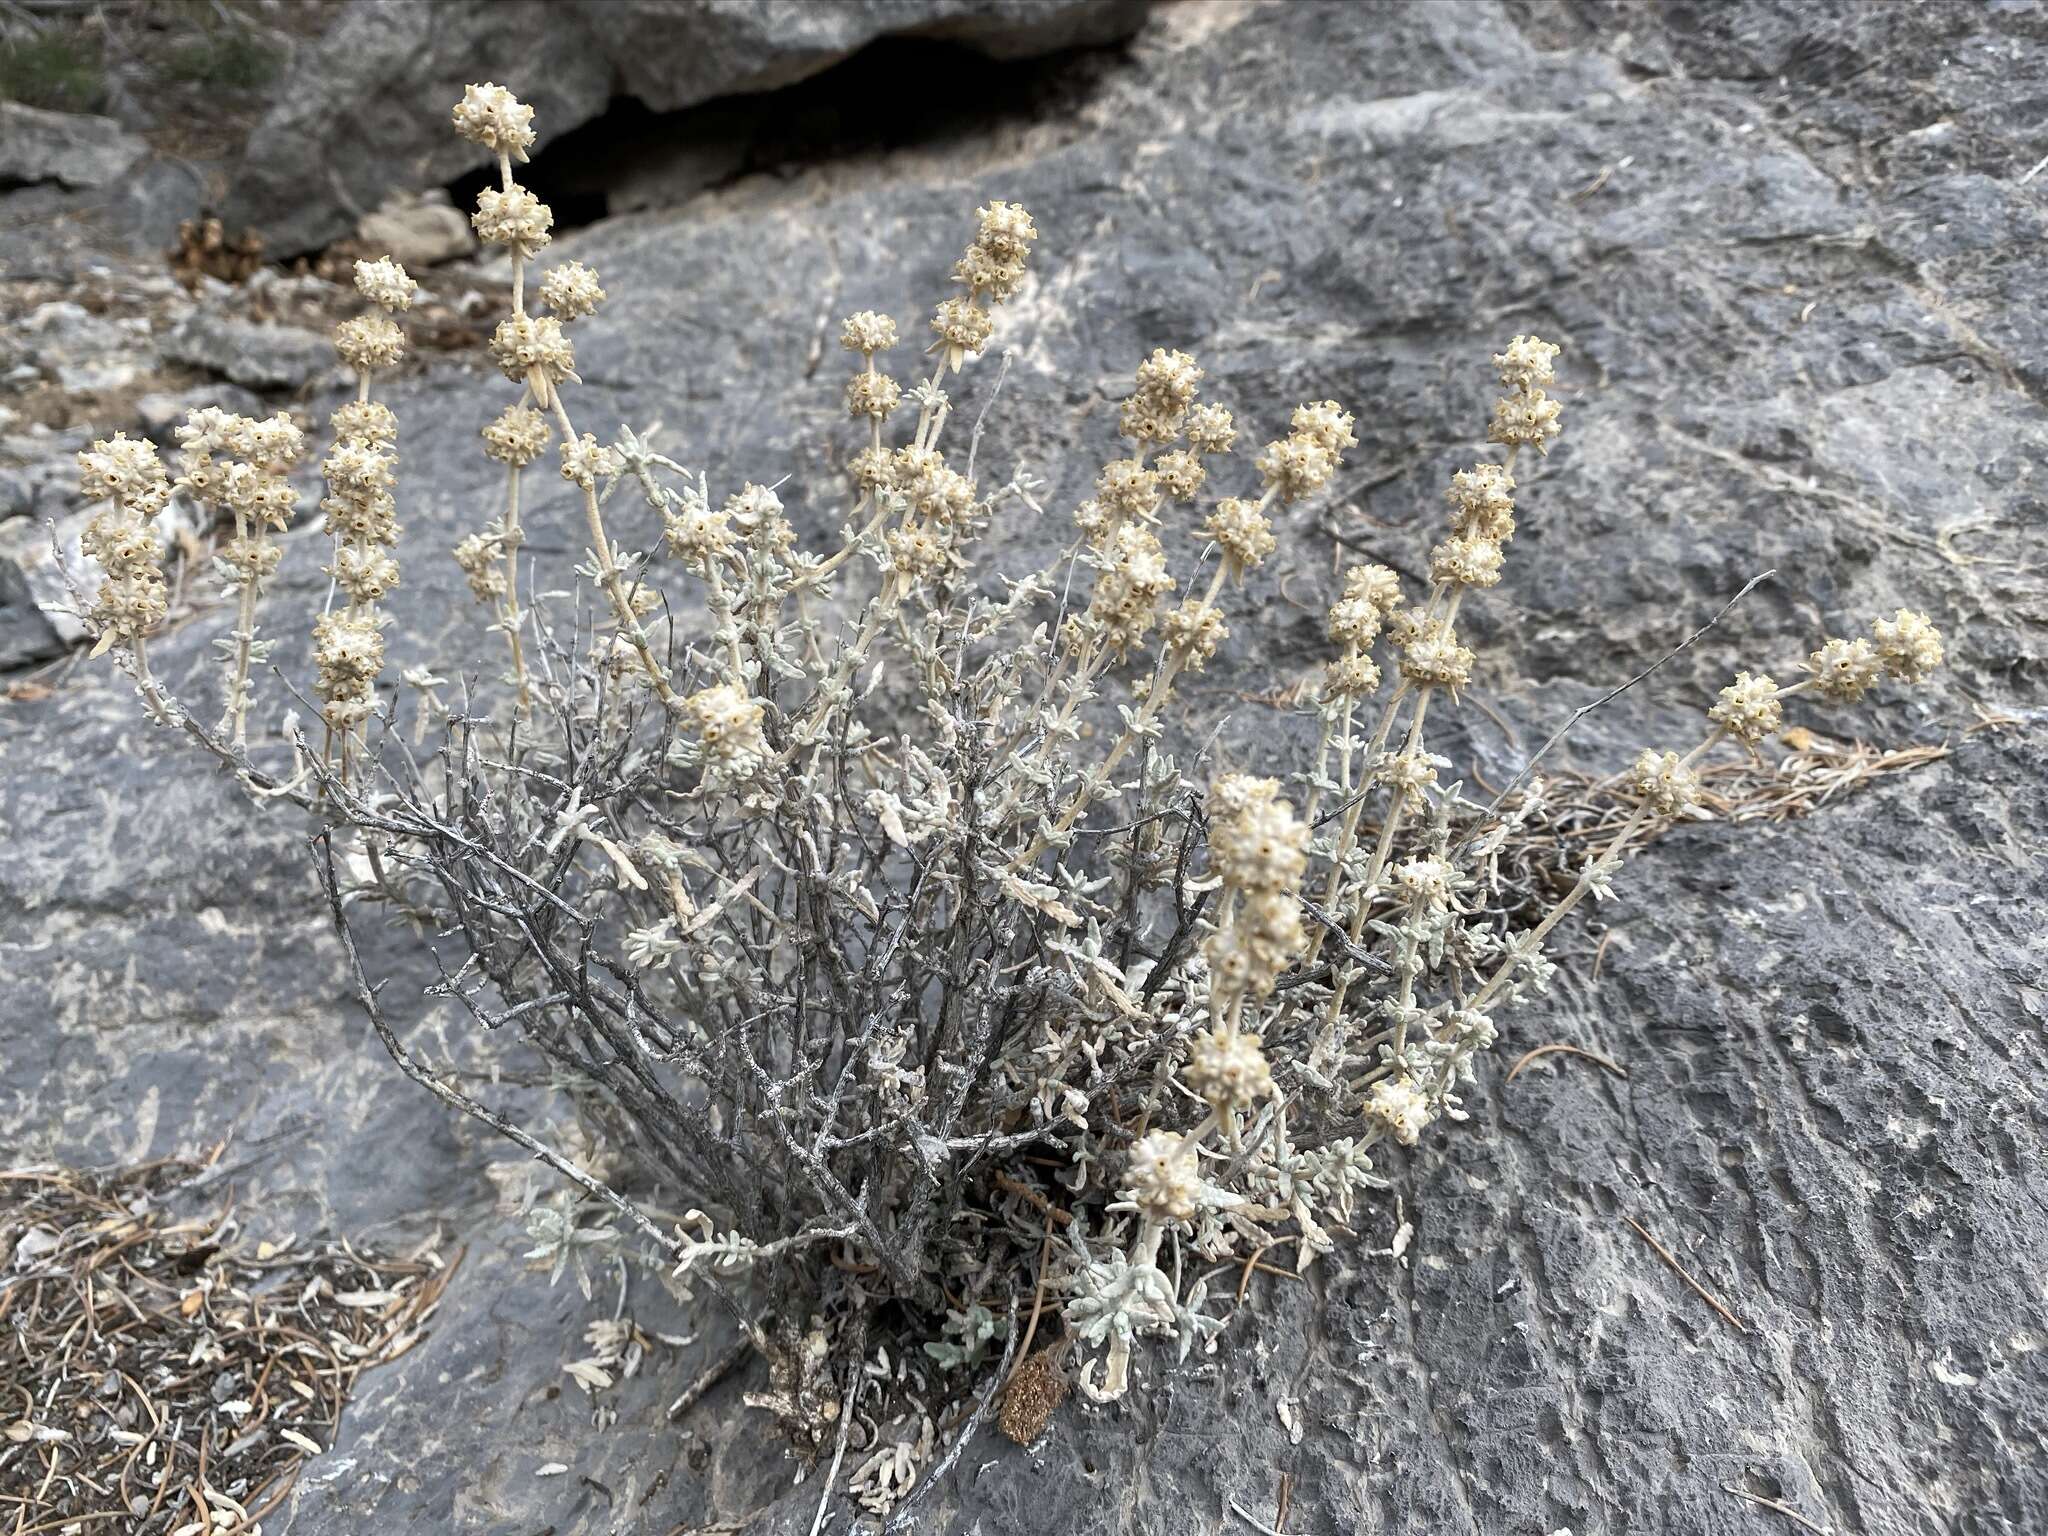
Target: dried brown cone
1033, 1396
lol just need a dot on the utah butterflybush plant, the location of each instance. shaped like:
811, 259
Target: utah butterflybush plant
916, 957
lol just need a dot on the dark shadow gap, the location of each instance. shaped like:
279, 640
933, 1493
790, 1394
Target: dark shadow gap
893, 94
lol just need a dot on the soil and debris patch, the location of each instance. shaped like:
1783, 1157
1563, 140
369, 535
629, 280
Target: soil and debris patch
161, 1367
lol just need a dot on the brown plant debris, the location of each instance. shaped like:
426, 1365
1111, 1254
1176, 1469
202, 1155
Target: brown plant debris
162, 1368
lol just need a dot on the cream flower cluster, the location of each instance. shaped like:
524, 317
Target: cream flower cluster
571, 291
1167, 383
1663, 782
1482, 503
517, 436
533, 349
126, 473
361, 512
1260, 851
1431, 654
235, 465
585, 461
361, 472
1401, 1107
492, 116
1227, 1069
870, 394
386, 284
728, 726
1128, 587
991, 270
1748, 708
1526, 416
1371, 592
1242, 532
701, 538
1908, 646
1303, 462
1162, 1181
1192, 632
1844, 670
514, 218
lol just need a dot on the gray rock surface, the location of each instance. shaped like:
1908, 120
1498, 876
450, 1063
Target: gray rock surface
255, 353
1795, 264
67, 147
381, 80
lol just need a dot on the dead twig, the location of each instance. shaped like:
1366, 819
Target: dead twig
1779, 1507
1571, 1050
1679, 1269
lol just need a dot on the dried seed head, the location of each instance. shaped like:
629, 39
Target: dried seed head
1192, 632
872, 468
1353, 621
963, 328
1350, 677
481, 558
367, 422
1255, 841
1167, 383
1408, 776
1432, 657
1125, 603
728, 724
914, 554
1127, 489
1376, 584
1005, 230
1180, 474
125, 470
1426, 882
365, 572
698, 536
348, 653
523, 345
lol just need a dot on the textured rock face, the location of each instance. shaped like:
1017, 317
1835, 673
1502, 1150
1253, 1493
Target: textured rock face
65, 147
376, 81
1797, 275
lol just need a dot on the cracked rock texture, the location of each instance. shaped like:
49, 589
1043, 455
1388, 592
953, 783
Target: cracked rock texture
1794, 258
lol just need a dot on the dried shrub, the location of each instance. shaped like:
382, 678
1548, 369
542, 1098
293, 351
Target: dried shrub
924, 996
